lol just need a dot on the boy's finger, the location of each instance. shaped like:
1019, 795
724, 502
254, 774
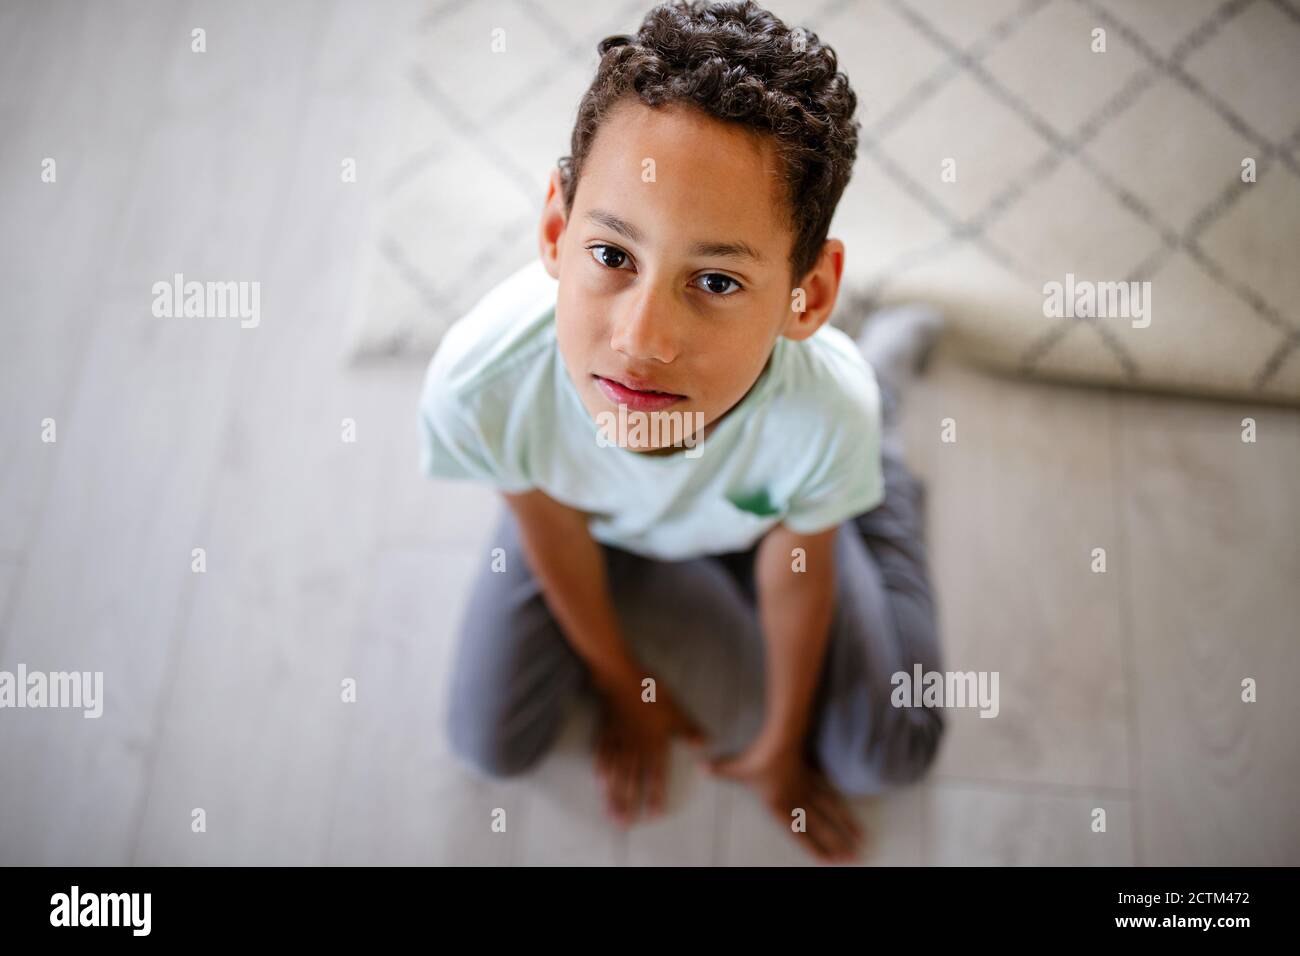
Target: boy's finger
721, 767
686, 726
655, 783
694, 735
616, 786
629, 784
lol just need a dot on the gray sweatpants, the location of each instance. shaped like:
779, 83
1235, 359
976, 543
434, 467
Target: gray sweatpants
514, 673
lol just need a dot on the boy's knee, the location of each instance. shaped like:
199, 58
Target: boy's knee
915, 749
485, 748
900, 757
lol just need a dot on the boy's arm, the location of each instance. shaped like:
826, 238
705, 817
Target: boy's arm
570, 567
631, 752
795, 608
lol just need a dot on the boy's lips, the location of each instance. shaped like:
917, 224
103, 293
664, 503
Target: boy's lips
641, 398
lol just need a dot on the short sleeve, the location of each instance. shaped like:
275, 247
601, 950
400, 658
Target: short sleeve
846, 477
454, 440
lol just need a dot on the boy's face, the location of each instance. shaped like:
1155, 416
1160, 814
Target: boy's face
673, 264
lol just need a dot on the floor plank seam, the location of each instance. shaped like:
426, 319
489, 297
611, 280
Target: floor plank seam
180, 632
1032, 787
1125, 607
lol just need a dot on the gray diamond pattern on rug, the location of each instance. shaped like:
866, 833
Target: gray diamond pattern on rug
1115, 166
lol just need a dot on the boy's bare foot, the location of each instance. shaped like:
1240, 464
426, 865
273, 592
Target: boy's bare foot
787, 784
898, 341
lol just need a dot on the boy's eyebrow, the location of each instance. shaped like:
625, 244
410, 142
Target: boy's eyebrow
737, 249
731, 250
611, 221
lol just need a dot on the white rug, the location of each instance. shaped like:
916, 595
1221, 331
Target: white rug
1072, 166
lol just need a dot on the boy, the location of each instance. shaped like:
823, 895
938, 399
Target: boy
688, 234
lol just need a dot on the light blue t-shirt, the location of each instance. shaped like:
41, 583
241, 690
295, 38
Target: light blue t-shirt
801, 448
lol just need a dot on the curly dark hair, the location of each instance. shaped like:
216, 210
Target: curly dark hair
740, 64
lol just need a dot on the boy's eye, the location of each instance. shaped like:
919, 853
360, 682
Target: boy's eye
718, 284
609, 256
714, 283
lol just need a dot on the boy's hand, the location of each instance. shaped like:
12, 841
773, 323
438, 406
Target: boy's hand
785, 782
632, 745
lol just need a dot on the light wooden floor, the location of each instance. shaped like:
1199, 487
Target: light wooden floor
329, 560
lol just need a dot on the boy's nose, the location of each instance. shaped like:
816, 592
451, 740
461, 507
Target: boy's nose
645, 329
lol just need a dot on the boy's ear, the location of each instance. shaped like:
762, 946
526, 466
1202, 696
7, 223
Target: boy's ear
551, 229
813, 299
